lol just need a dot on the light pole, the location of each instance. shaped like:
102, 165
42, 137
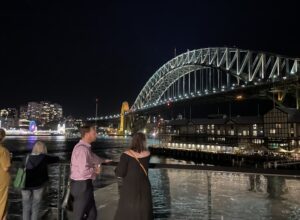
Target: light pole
96, 112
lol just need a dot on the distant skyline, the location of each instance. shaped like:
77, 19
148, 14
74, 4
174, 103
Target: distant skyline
74, 52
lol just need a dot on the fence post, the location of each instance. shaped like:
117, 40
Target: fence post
63, 189
58, 192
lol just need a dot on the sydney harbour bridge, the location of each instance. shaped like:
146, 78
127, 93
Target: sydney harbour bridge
212, 74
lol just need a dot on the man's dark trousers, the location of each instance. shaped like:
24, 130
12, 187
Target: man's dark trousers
84, 206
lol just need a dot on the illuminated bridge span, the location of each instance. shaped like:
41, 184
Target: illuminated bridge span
202, 72
215, 71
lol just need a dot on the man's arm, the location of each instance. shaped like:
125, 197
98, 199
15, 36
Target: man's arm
99, 160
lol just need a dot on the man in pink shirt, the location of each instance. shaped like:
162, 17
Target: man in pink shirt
85, 166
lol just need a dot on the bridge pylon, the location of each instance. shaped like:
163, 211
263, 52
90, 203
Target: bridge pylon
124, 110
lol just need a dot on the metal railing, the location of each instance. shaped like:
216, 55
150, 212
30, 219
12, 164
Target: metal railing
64, 170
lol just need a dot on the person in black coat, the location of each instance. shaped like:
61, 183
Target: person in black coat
135, 201
36, 178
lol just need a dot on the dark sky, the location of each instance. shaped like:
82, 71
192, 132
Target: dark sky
71, 53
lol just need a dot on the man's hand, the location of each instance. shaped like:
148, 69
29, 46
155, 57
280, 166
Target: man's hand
98, 169
107, 160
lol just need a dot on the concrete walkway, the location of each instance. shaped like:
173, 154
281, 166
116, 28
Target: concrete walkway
106, 202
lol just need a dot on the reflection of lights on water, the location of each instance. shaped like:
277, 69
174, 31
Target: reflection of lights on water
31, 141
32, 138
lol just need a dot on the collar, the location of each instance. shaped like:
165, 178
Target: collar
84, 143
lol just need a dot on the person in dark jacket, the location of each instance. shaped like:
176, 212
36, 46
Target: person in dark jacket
135, 195
36, 178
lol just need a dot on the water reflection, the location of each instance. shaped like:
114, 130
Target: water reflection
255, 183
276, 187
220, 195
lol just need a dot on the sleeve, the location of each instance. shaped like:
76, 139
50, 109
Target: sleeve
5, 159
52, 159
96, 159
121, 169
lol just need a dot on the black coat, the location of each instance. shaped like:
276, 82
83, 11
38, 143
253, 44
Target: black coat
37, 170
135, 195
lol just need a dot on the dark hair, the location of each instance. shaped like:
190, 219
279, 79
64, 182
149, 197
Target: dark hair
138, 143
86, 129
2, 134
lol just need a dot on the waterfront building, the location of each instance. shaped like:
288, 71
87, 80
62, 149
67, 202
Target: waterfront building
282, 127
7, 123
34, 110
278, 128
23, 112
24, 124
43, 112
8, 118
9, 113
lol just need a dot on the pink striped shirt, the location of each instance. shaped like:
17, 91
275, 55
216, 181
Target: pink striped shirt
83, 162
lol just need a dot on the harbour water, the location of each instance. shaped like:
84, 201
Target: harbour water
180, 194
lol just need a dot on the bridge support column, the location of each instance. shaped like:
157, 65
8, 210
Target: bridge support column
124, 109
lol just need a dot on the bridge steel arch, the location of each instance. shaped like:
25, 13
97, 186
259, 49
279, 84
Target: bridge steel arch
245, 66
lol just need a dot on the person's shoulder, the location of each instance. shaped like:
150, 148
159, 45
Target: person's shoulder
80, 147
146, 153
126, 153
140, 155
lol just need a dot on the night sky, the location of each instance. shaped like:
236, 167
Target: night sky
71, 53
